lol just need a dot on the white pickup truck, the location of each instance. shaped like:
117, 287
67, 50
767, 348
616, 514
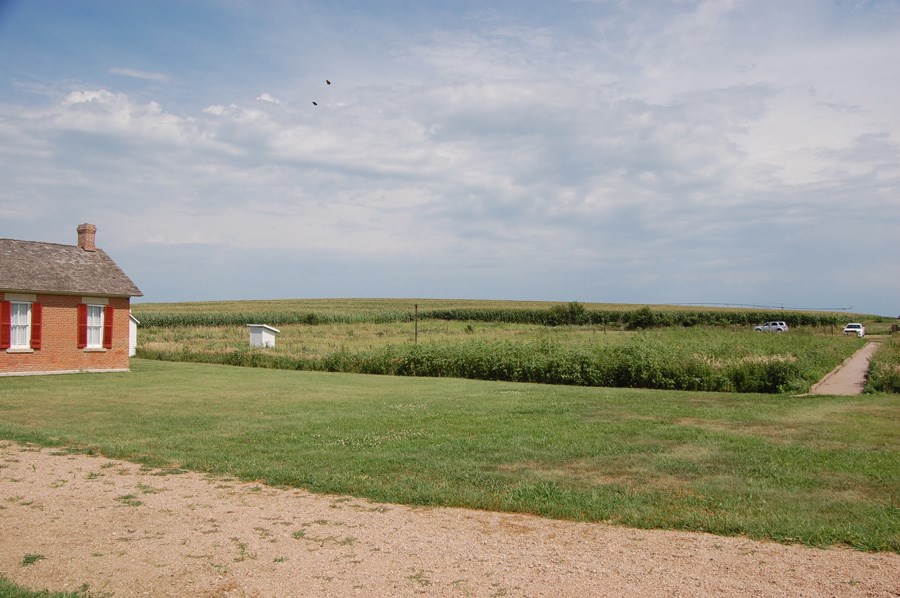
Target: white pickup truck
855, 328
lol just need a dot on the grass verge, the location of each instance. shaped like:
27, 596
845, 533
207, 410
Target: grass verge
10, 590
817, 470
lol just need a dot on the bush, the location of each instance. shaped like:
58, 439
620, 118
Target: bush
884, 370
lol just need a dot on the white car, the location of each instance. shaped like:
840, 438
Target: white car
773, 327
855, 328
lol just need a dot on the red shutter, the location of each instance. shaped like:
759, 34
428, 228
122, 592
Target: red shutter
36, 321
5, 324
82, 325
107, 327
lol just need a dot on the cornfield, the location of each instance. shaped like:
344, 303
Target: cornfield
555, 315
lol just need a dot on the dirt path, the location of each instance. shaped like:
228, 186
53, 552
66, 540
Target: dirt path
849, 378
119, 530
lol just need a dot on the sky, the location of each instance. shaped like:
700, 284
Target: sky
692, 151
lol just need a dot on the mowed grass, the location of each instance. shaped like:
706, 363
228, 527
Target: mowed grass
816, 470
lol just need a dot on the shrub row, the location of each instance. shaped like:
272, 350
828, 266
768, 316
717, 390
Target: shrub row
568, 314
645, 362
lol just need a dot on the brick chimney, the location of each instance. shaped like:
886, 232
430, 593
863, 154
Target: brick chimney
86, 235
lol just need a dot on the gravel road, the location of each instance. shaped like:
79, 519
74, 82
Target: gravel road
70, 522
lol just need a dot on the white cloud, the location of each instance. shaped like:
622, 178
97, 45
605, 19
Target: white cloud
691, 149
217, 110
149, 76
106, 113
267, 97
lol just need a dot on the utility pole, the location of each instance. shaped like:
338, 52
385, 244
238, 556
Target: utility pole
417, 324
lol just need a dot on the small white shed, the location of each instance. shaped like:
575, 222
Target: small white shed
262, 335
132, 334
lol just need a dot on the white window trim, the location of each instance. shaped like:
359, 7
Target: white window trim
20, 347
99, 328
95, 300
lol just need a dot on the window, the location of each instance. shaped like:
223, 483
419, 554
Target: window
94, 326
19, 325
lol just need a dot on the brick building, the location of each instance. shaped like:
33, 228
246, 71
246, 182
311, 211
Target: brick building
63, 308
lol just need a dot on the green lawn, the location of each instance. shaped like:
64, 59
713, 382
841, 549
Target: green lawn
817, 470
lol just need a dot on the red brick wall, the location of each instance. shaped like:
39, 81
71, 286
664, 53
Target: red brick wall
59, 341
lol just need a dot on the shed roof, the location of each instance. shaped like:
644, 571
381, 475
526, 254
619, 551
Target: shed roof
55, 268
266, 326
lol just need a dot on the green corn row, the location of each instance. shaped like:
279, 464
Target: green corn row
177, 320
569, 314
637, 319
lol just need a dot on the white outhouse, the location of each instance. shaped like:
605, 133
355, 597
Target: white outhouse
132, 334
262, 335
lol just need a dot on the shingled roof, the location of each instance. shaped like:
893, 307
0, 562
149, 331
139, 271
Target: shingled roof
53, 268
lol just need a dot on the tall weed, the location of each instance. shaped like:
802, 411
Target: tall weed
696, 359
884, 369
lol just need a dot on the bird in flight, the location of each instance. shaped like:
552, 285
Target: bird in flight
329, 83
